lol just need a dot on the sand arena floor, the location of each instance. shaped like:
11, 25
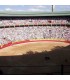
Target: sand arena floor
21, 49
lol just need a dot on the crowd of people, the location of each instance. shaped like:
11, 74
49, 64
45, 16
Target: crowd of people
12, 22
33, 32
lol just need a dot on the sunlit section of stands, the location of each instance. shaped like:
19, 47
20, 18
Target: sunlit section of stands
40, 22
35, 32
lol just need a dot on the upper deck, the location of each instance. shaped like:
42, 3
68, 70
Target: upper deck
28, 14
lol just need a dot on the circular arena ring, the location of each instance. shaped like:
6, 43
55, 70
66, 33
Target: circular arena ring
35, 57
22, 47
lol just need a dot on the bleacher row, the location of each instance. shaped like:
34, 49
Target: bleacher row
11, 22
9, 35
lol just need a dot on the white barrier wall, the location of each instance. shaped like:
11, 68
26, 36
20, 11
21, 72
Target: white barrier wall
34, 32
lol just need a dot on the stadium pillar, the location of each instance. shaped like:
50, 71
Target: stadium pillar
53, 6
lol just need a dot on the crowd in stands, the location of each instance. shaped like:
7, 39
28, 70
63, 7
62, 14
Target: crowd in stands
12, 22
33, 32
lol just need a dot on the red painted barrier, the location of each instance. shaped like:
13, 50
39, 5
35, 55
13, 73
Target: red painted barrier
25, 41
10, 43
67, 41
6, 45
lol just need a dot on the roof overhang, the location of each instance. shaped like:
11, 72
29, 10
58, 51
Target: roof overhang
21, 13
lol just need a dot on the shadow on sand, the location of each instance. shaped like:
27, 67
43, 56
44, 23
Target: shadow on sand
53, 62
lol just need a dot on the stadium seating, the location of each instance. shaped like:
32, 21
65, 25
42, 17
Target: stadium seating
31, 22
9, 34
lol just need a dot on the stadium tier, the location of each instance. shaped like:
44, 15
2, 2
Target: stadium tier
31, 22
28, 26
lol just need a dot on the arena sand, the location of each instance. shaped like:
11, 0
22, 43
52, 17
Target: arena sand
23, 48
